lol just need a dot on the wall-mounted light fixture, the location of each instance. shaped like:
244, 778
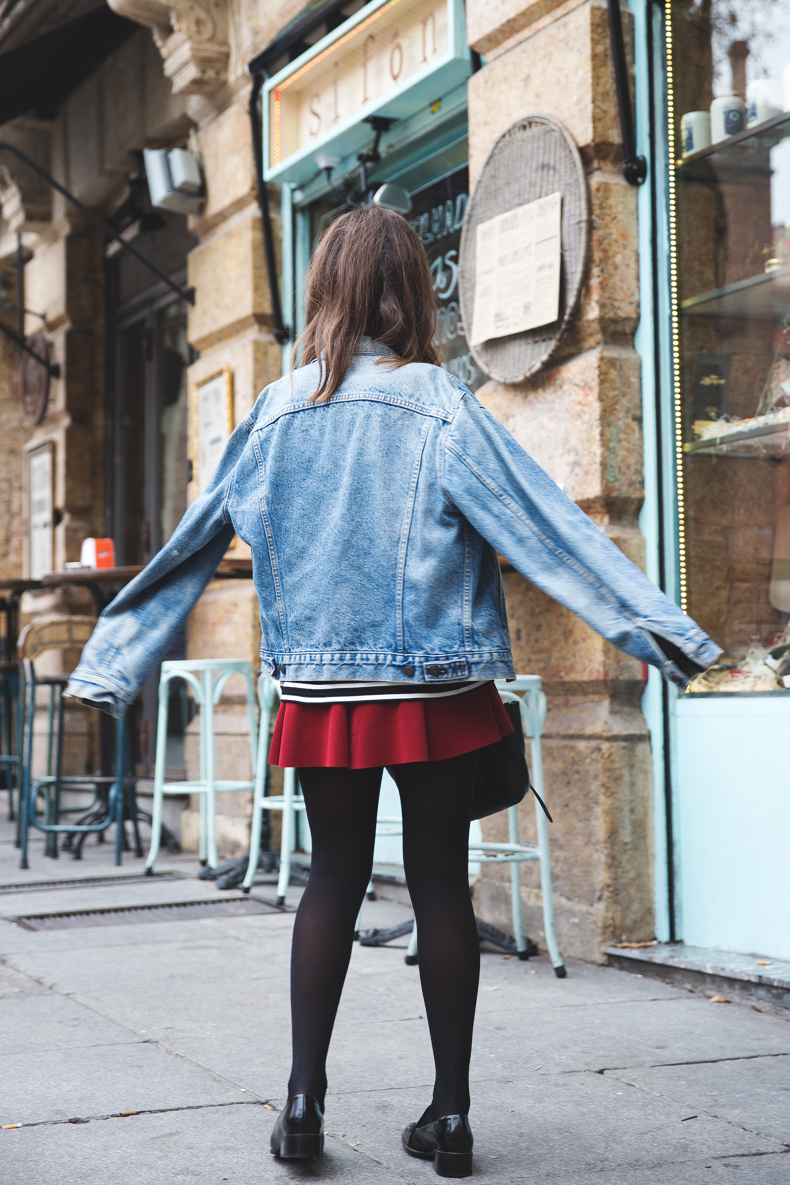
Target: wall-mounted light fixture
174, 180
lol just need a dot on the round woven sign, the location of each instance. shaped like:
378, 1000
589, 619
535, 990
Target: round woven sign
534, 158
34, 381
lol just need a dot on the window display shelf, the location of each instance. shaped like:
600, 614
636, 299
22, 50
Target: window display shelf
762, 440
760, 298
758, 139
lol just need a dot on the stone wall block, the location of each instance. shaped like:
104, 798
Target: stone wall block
233, 833
261, 24
490, 22
620, 402
555, 417
228, 273
12, 487
533, 78
45, 289
610, 298
226, 147
122, 75
225, 623
581, 421
84, 261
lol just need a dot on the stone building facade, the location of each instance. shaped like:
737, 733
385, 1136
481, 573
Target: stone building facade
179, 79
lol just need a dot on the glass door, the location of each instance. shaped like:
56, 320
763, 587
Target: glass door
728, 68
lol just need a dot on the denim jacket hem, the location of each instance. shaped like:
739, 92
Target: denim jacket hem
387, 667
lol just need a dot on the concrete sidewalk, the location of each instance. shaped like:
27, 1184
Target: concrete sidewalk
144, 1053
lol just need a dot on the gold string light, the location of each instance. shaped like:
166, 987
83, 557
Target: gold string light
677, 381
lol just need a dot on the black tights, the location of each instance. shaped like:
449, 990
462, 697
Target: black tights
341, 808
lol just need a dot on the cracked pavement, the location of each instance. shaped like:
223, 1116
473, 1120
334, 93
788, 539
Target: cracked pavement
158, 1052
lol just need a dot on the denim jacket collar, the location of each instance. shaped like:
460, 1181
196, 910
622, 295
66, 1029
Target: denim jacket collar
374, 348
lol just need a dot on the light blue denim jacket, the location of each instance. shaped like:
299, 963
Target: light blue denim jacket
374, 522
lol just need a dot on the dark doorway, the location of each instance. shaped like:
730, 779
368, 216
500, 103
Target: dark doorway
147, 435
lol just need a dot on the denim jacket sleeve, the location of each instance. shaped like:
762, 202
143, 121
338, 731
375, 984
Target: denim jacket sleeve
136, 630
517, 507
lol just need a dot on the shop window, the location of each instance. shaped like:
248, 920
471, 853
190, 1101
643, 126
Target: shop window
437, 215
729, 131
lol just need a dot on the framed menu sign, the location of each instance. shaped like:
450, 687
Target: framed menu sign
213, 423
40, 475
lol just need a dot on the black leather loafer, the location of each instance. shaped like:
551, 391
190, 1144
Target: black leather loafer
447, 1142
299, 1131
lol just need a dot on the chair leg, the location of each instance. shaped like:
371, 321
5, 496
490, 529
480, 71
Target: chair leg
258, 797
515, 888
159, 777
118, 804
19, 708
24, 813
287, 834
210, 795
545, 863
411, 958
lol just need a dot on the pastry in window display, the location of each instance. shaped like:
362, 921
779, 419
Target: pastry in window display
773, 406
763, 668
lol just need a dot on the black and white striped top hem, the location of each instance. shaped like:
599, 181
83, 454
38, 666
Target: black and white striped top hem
354, 693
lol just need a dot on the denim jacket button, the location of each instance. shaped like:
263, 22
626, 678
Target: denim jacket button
435, 671
409, 671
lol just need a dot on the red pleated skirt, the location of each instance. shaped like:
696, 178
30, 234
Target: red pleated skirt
360, 736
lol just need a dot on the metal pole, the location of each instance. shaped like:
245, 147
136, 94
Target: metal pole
280, 330
634, 167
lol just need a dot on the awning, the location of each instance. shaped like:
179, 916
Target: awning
37, 76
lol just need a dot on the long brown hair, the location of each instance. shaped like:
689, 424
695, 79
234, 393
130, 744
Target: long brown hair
369, 277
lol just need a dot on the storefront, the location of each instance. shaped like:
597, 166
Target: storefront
713, 98
670, 811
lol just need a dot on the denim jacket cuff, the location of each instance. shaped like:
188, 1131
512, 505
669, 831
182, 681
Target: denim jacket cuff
107, 698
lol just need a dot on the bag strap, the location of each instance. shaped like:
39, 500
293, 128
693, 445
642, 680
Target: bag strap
542, 803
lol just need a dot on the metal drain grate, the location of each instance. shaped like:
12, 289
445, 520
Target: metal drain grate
88, 882
126, 915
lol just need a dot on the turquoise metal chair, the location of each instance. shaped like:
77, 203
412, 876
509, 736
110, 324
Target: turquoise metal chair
207, 679
533, 714
290, 802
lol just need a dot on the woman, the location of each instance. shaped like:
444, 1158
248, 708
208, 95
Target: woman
375, 491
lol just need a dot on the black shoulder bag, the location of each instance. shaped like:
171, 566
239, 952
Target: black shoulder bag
502, 772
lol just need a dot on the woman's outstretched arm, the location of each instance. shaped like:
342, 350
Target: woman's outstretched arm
136, 630
517, 507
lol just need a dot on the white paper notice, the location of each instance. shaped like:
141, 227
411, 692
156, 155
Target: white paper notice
517, 280
213, 431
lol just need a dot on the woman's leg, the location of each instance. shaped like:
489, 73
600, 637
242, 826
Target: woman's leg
436, 798
341, 809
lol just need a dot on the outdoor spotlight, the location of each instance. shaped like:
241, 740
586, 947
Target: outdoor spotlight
327, 162
392, 197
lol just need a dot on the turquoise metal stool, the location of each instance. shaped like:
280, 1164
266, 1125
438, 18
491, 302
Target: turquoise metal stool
207, 679
289, 802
